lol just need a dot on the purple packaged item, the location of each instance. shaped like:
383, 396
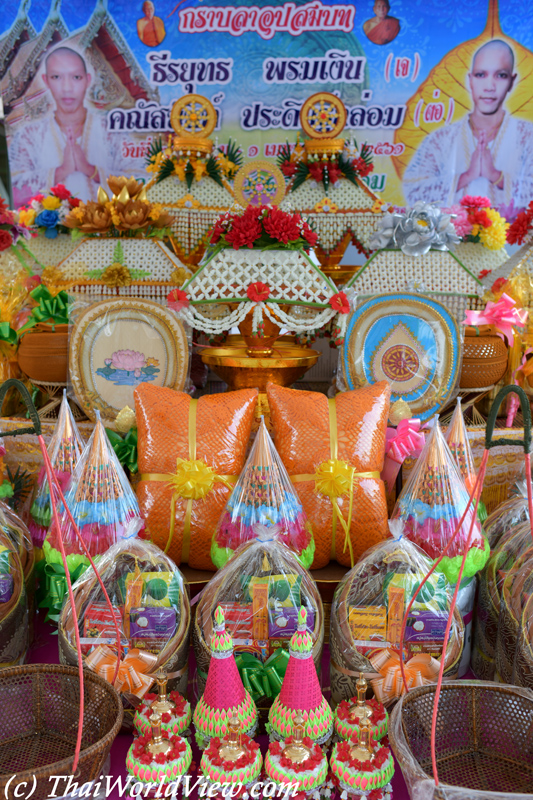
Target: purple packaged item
152, 622
424, 632
6, 588
283, 622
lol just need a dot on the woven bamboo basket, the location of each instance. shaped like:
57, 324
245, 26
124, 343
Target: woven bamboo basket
348, 662
14, 623
510, 547
222, 589
39, 708
523, 663
484, 747
484, 358
172, 659
22, 541
516, 590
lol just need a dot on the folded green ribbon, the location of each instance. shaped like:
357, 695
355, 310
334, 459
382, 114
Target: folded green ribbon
6, 490
125, 448
54, 310
263, 680
7, 334
55, 588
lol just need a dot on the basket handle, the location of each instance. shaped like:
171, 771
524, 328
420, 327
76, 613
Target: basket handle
13, 383
491, 421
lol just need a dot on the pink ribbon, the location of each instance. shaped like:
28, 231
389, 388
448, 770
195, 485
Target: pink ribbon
503, 314
401, 442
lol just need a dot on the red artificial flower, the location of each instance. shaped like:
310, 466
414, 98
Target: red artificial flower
166, 717
316, 171
288, 168
150, 696
60, 191
483, 273
74, 202
334, 173
478, 216
469, 201
145, 759
177, 299
310, 236
498, 284
519, 229
275, 748
283, 226
339, 302
375, 794
38, 198
160, 759
361, 167
6, 240
217, 232
258, 292
244, 230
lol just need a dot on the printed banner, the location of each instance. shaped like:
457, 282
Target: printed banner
441, 91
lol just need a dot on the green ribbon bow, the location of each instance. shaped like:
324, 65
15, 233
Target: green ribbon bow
6, 490
125, 448
55, 587
263, 680
50, 309
7, 334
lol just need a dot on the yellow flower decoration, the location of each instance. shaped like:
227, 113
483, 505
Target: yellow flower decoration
179, 170
376, 208
152, 362
116, 275
155, 212
494, 238
51, 203
199, 170
53, 279
228, 167
27, 216
326, 206
78, 212
188, 201
179, 276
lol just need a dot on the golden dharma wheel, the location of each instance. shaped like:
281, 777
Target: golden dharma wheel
193, 115
323, 116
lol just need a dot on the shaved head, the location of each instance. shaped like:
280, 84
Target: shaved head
62, 52
491, 48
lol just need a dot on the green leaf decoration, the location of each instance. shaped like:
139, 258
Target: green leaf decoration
346, 167
118, 254
189, 174
166, 170
234, 153
300, 176
156, 146
94, 274
213, 170
137, 274
284, 155
76, 234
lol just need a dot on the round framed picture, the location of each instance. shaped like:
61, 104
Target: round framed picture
259, 183
412, 342
115, 345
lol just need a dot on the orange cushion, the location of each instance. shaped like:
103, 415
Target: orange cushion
223, 427
300, 422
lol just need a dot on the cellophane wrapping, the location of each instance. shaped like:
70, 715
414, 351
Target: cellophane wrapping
431, 505
514, 547
263, 495
507, 515
260, 590
101, 501
64, 450
516, 590
20, 537
14, 618
457, 440
366, 621
151, 607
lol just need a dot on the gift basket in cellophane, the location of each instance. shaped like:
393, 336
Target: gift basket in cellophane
14, 622
470, 740
54, 720
20, 537
366, 619
260, 590
151, 611
514, 545
517, 588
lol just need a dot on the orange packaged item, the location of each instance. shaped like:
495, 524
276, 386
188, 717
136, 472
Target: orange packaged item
190, 453
333, 450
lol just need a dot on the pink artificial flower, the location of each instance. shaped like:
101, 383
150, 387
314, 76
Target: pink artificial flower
460, 222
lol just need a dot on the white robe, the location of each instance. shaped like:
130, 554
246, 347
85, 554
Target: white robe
37, 149
433, 173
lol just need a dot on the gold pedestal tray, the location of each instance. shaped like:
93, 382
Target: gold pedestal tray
232, 364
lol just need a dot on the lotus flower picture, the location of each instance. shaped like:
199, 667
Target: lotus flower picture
129, 368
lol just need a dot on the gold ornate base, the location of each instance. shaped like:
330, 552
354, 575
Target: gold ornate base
240, 371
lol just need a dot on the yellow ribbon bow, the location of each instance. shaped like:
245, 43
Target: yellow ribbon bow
335, 479
133, 672
419, 671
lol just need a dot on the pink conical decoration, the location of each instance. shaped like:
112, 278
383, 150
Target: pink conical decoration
224, 688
